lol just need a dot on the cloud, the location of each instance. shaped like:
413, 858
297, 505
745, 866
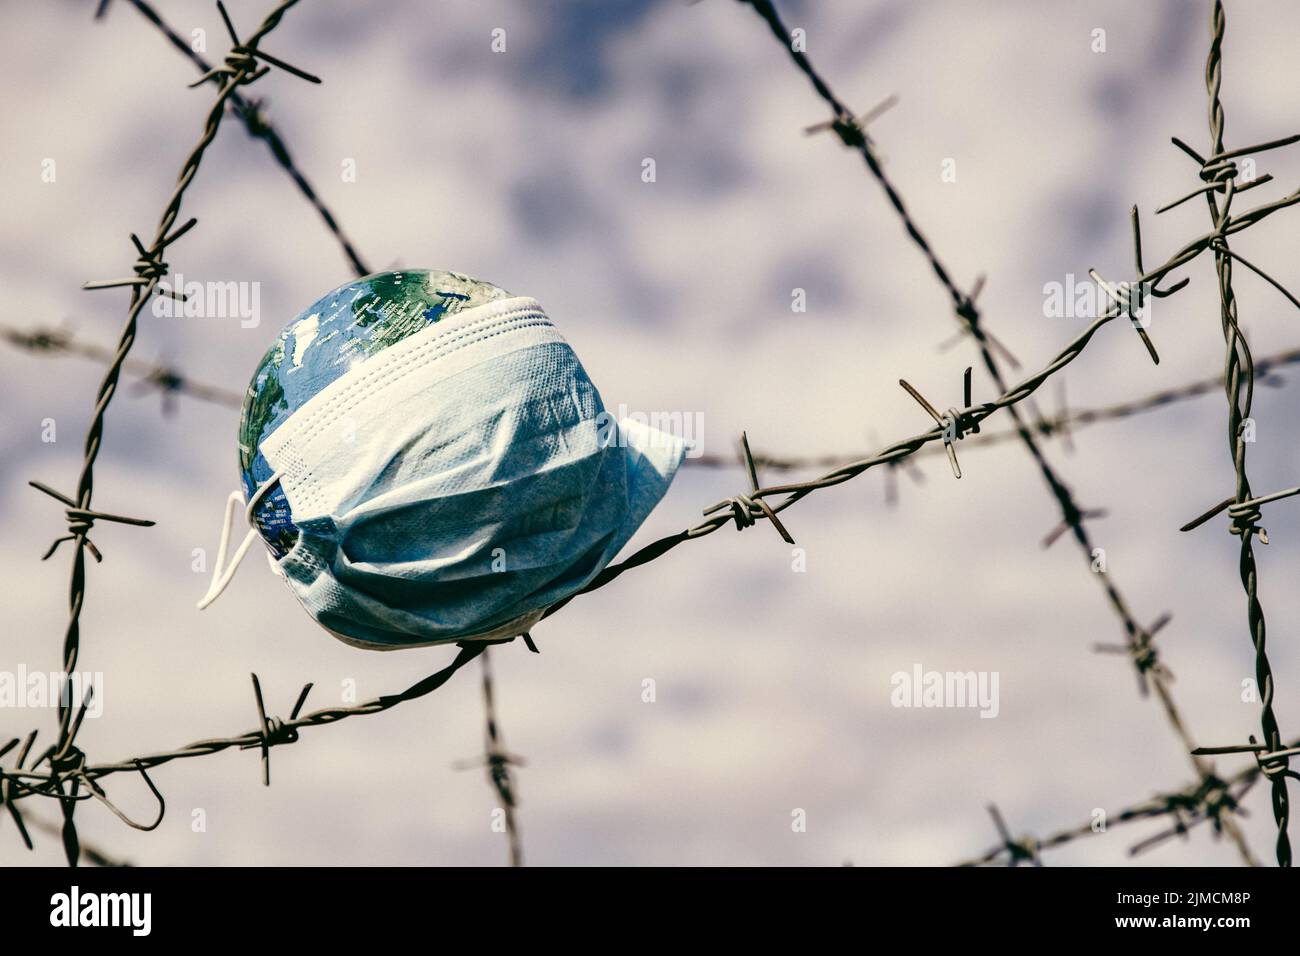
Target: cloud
524, 168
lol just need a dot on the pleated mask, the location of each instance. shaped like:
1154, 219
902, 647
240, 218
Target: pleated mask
456, 484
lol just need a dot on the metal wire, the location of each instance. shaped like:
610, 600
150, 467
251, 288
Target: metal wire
168, 379
1219, 173
90, 851
1139, 643
1061, 425
63, 773
1209, 800
64, 757
164, 378
497, 761
171, 382
252, 113
43, 783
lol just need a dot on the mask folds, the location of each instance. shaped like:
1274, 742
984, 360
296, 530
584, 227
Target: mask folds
459, 482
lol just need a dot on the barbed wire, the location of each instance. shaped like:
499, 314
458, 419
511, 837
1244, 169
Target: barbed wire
92, 852
169, 379
1129, 299
275, 733
1060, 425
243, 65
497, 761
1208, 800
746, 509
166, 379
170, 382
67, 769
1219, 174
252, 113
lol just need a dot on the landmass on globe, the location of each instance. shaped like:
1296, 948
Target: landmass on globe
329, 338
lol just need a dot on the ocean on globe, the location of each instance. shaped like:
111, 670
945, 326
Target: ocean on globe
327, 339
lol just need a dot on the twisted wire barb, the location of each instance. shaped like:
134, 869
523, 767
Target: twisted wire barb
64, 757
68, 769
1209, 800
1139, 639
497, 761
1219, 173
1060, 425
252, 113
166, 379
270, 733
241, 67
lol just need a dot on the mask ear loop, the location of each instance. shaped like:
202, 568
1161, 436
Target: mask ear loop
223, 573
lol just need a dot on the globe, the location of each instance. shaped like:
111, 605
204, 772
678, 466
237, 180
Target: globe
332, 336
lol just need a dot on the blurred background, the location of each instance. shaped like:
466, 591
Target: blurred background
524, 168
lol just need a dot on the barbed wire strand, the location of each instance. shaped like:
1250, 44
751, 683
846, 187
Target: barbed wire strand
275, 733
1206, 801
1139, 641
163, 377
241, 67
1220, 176
744, 510
169, 379
1060, 425
271, 732
252, 114
497, 761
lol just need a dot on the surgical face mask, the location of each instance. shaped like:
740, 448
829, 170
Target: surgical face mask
456, 484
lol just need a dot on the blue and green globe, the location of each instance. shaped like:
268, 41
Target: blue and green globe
327, 339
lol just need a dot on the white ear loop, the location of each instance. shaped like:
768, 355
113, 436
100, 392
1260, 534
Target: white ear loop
223, 573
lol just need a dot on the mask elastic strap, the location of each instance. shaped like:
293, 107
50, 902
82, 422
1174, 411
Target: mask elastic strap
223, 573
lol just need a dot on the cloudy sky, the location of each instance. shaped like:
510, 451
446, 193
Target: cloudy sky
524, 168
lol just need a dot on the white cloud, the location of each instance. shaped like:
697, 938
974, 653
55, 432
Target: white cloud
773, 685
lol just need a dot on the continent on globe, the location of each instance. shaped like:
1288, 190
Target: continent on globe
331, 337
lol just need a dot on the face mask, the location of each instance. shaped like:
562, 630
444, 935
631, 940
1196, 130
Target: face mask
456, 484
